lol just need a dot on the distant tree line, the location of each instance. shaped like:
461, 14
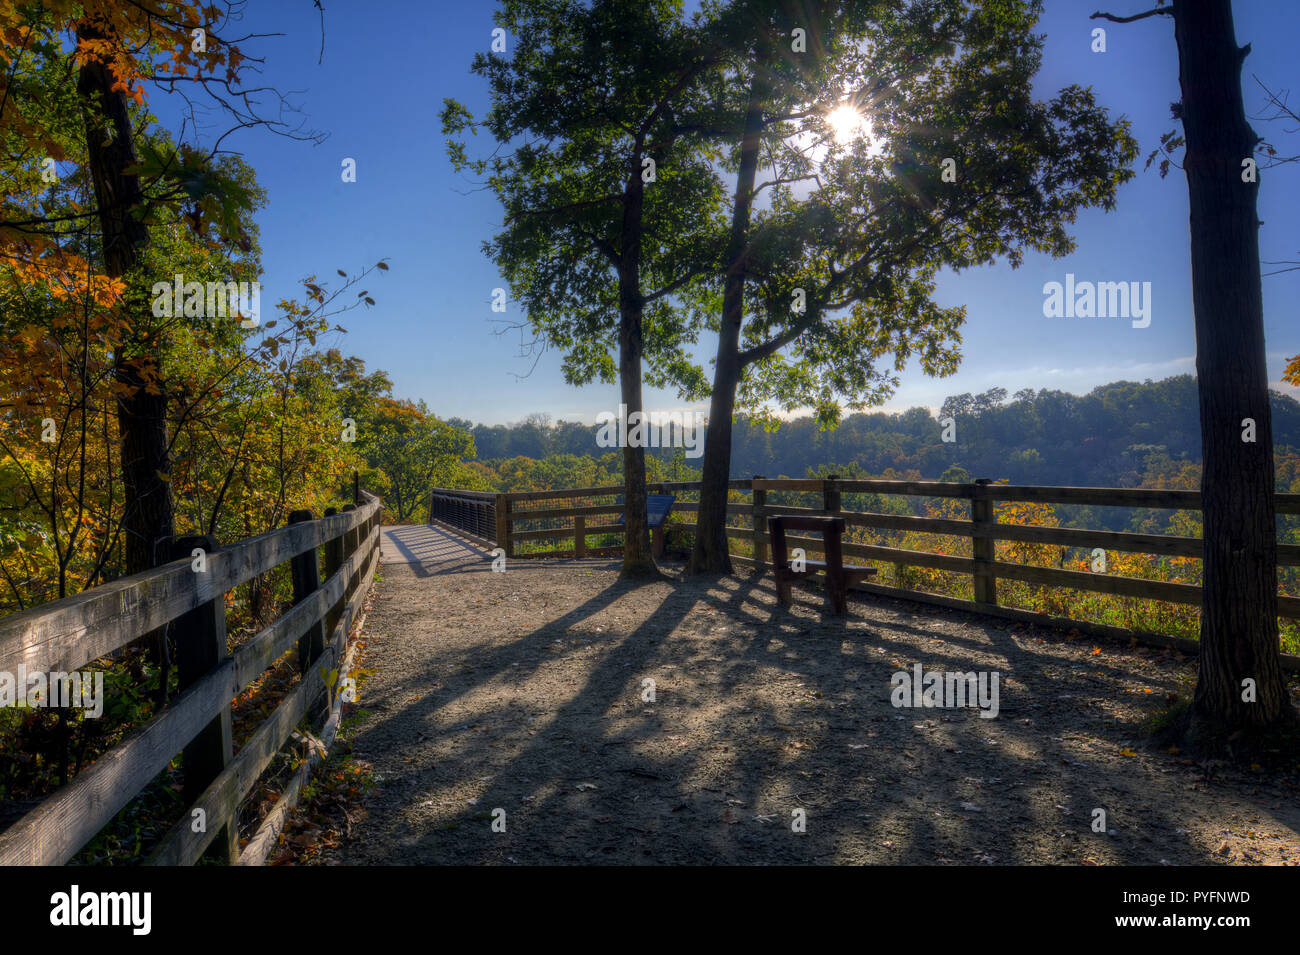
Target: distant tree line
1117, 435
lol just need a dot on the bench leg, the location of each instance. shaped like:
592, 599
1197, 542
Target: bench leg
659, 534
783, 594
838, 594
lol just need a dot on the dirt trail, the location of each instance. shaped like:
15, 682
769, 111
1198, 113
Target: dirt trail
522, 691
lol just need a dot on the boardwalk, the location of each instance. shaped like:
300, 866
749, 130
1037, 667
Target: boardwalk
523, 691
426, 550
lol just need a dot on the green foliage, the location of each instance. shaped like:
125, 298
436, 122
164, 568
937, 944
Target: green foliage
213, 191
862, 231
591, 92
1118, 435
413, 450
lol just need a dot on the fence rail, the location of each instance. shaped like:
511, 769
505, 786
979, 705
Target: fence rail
188, 595
981, 528
468, 511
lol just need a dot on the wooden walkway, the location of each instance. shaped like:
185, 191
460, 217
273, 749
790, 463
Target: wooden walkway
429, 547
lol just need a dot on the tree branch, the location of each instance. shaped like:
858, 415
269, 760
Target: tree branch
570, 207
1158, 11
671, 286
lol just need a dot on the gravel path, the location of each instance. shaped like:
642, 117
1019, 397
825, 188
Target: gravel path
523, 692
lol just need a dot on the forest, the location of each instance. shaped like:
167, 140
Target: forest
1122, 434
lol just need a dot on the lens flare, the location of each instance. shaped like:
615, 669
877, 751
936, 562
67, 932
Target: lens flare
846, 123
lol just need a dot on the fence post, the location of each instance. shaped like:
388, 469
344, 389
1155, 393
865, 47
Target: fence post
334, 558
831, 495
200, 647
579, 536
503, 525
363, 536
305, 570
351, 541
758, 511
982, 548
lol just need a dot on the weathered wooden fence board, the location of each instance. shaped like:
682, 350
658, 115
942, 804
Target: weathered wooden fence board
181, 845
55, 637
72, 632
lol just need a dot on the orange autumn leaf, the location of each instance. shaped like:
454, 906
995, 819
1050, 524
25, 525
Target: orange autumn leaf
1291, 374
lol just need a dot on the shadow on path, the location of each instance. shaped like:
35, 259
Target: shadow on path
688, 721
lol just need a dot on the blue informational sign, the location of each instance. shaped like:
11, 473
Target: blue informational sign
658, 507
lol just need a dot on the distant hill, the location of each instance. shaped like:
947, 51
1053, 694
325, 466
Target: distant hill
1114, 436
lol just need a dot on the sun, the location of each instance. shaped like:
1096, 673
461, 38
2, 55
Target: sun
846, 123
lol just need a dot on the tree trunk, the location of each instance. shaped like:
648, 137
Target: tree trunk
142, 422
1239, 637
142, 416
111, 151
148, 514
637, 560
710, 555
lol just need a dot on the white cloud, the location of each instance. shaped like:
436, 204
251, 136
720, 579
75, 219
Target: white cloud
1112, 371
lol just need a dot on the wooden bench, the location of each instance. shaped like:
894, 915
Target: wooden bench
838, 575
658, 507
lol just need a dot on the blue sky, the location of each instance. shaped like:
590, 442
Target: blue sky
387, 66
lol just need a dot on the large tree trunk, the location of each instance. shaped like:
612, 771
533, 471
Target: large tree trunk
142, 411
148, 514
146, 461
111, 150
1239, 637
710, 554
637, 559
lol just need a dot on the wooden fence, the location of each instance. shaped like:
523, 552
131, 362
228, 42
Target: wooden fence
502, 512
65, 635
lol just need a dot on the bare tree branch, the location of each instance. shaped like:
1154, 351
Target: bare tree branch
1158, 11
